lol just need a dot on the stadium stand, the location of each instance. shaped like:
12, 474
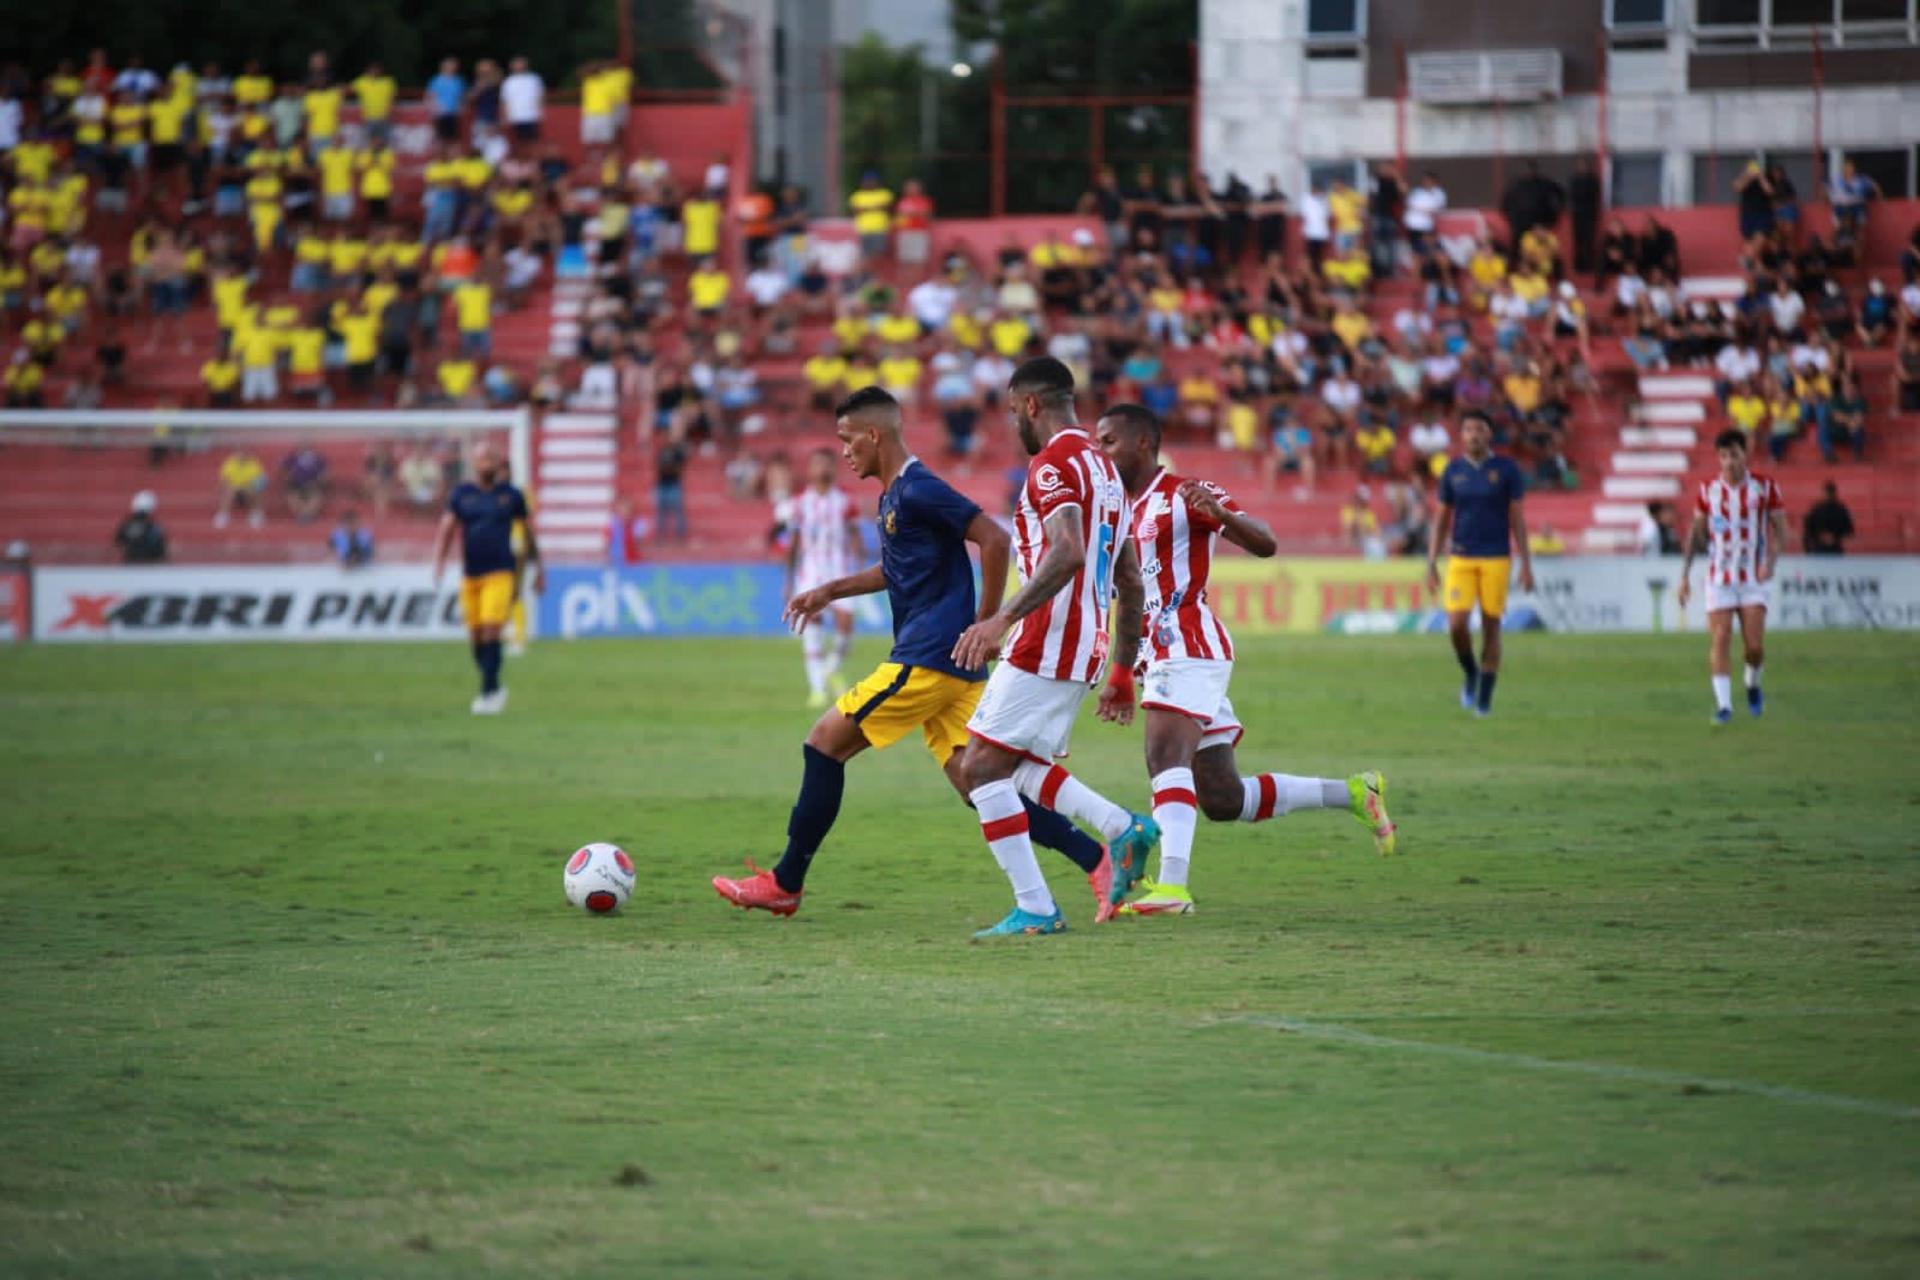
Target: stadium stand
199, 241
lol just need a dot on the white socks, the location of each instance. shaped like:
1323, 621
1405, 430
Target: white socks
1753, 676
1723, 692
824, 649
1003, 820
1175, 809
1274, 795
1060, 791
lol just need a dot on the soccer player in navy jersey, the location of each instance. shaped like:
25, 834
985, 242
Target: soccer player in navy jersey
925, 526
482, 512
1480, 518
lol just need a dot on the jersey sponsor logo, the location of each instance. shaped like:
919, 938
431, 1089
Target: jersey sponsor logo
1047, 478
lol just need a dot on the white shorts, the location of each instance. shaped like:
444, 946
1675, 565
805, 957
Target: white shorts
1196, 688
1739, 595
1028, 714
596, 129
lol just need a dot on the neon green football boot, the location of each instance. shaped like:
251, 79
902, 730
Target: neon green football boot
1368, 792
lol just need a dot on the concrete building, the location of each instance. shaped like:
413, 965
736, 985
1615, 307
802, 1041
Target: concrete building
1678, 93
789, 51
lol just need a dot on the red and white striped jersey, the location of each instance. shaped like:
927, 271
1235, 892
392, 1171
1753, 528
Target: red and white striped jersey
1066, 638
822, 542
1736, 516
1175, 543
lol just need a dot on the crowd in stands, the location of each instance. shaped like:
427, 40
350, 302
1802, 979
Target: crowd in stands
278, 207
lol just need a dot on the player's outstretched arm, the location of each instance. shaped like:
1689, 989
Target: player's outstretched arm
1066, 556
996, 548
1241, 529
443, 543
806, 606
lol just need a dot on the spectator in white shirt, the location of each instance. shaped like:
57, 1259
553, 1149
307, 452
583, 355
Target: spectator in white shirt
717, 175
522, 100
136, 80
1316, 224
1429, 440
1787, 307
1807, 354
1425, 204
932, 302
766, 285
991, 373
1628, 290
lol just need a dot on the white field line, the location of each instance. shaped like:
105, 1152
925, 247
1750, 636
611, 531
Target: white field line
1605, 1070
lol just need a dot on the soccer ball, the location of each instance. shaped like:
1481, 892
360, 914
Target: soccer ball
599, 878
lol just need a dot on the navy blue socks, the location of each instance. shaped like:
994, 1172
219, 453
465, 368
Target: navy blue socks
821, 785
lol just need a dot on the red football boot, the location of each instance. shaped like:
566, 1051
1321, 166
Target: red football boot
758, 890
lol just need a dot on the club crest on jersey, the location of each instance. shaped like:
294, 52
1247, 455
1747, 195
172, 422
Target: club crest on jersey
1047, 478
1720, 524
887, 523
1158, 504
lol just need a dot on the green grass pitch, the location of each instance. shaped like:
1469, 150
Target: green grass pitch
289, 987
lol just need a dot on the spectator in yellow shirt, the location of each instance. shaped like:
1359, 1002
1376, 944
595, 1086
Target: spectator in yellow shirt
1487, 269
1351, 326
456, 376
1376, 442
700, 225
359, 332
259, 350
825, 373
25, 381
598, 88
707, 289
898, 327
251, 88
321, 107
376, 180
1010, 336
1348, 269
1347, 208
1746, 409
220, 375
306, 359
243, 485
374, 89
335, 163
473, 314
872, 208
900, 374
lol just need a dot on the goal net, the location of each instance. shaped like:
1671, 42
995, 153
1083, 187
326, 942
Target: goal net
240, 486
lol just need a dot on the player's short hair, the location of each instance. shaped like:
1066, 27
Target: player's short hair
1731, 438
1477, 415
1137, 419
1045, 377
863, 399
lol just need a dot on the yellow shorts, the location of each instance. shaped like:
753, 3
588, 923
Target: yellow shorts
486, 600
1481, 579
895, 700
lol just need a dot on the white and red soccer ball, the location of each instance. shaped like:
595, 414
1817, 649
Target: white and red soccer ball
599, 878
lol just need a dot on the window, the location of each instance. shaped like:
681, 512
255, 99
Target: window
1324, 173
1802, 13
1336, 19
1727, 13
1713, 175
1636, 13
1873, 10
1636, 181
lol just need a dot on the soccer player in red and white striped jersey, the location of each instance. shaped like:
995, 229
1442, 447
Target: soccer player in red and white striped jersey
824, 532
1069, 534
1740, 521
1191, 726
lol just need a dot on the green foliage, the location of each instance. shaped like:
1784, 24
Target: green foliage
409, 36
1113, 46
880, 102
290, 988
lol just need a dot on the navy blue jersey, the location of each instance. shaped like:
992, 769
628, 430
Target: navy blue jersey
1481, 497
923, 553
486, 519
